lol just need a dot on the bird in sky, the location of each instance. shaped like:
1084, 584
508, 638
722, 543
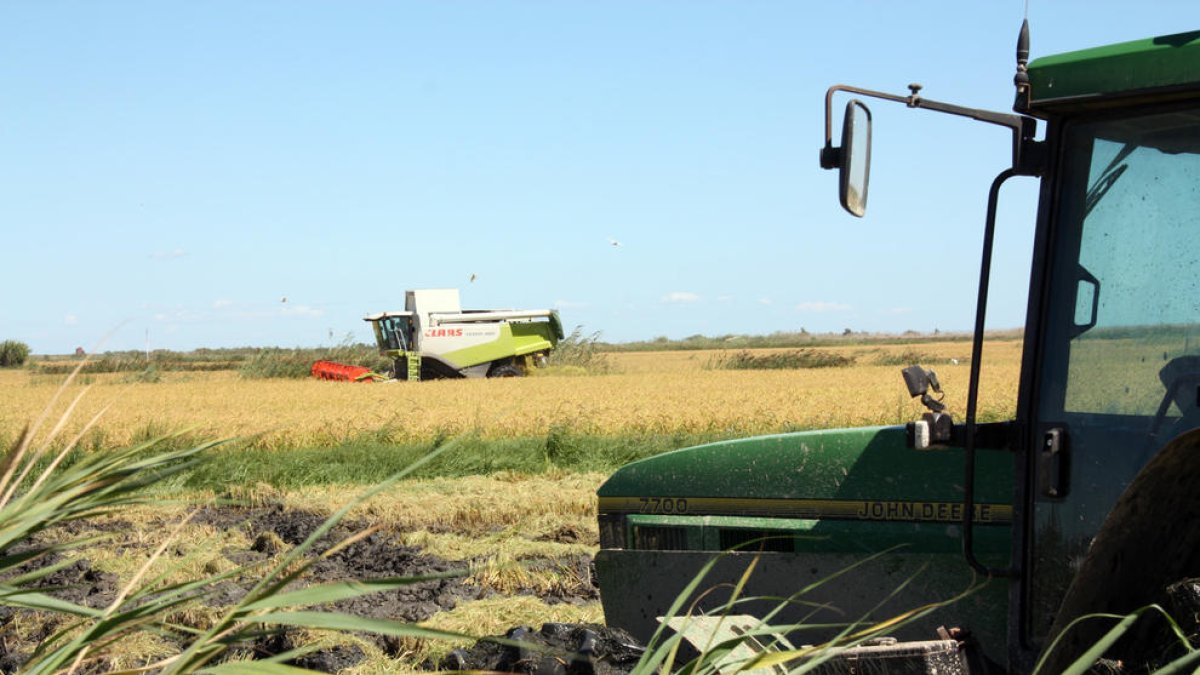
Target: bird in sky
283, 299
472, 278
613, 242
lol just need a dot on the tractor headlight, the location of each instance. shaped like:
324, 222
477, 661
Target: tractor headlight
612, 530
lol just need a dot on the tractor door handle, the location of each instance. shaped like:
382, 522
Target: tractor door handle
1052, 464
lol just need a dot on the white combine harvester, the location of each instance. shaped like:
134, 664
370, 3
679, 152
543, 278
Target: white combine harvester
435, 338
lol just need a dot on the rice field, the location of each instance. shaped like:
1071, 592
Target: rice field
678, 392
525, 536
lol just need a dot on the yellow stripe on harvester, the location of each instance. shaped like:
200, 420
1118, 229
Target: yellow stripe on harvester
812, 509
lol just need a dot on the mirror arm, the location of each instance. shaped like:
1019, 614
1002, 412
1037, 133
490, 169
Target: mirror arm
1027, 153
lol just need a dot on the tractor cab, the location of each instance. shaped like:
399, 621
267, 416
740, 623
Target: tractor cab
1083, 504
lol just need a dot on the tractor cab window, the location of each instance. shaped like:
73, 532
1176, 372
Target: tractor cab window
1120, 365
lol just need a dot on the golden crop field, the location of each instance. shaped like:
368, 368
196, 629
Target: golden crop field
647, 392
525, 537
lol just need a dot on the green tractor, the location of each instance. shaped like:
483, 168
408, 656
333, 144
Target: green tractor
997, 536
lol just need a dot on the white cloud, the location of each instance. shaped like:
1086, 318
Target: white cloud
680, 297
71, 320
179, 315
168, 255
222, 303
822, 306
764, 301
303, 311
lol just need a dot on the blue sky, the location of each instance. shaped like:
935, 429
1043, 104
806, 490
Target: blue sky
172, 170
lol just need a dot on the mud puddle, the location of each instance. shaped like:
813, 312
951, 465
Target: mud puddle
270, 530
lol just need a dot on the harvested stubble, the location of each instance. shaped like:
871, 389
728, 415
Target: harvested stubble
663, 393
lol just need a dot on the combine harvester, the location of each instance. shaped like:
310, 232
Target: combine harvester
434, 338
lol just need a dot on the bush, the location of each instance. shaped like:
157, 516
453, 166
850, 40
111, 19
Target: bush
795, 359
578, 351
13, 354
908, 357
297, 363
289, 363
150, 375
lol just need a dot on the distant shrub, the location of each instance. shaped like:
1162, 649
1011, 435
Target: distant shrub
282, 363
793, 359
579, 351
912, 357
908, 357
150, 375
121, 362
13, 354
297, 363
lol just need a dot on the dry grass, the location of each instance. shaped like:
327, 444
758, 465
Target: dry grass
474, 505
651, 392
496, 523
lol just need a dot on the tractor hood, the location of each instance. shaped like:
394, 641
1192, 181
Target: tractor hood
853, 474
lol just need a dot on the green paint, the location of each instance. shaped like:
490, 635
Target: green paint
413, 371
843, 464
861, 492
516, 339
1159, 63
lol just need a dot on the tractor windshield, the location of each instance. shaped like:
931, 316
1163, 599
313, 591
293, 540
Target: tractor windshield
1120, 365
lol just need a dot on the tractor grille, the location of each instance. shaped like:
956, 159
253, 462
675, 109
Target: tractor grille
660, 538
757, 540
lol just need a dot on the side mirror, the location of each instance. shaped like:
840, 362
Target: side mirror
854, 166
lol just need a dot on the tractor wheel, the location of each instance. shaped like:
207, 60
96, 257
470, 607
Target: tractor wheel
506, 370
1149, 541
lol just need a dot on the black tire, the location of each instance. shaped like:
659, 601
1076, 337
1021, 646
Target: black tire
1149, 540
506, 370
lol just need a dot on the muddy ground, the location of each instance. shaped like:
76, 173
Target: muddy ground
269, 530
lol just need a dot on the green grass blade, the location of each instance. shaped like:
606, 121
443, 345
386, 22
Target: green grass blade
1185, 664
1084, 663
47, 603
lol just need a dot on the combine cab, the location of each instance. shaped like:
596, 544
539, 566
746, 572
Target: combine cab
435, 338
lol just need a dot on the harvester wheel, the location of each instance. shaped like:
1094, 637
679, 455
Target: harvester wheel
505, 371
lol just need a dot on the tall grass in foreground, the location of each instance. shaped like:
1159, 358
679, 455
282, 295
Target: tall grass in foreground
41, 490
764, 646
1188, 660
